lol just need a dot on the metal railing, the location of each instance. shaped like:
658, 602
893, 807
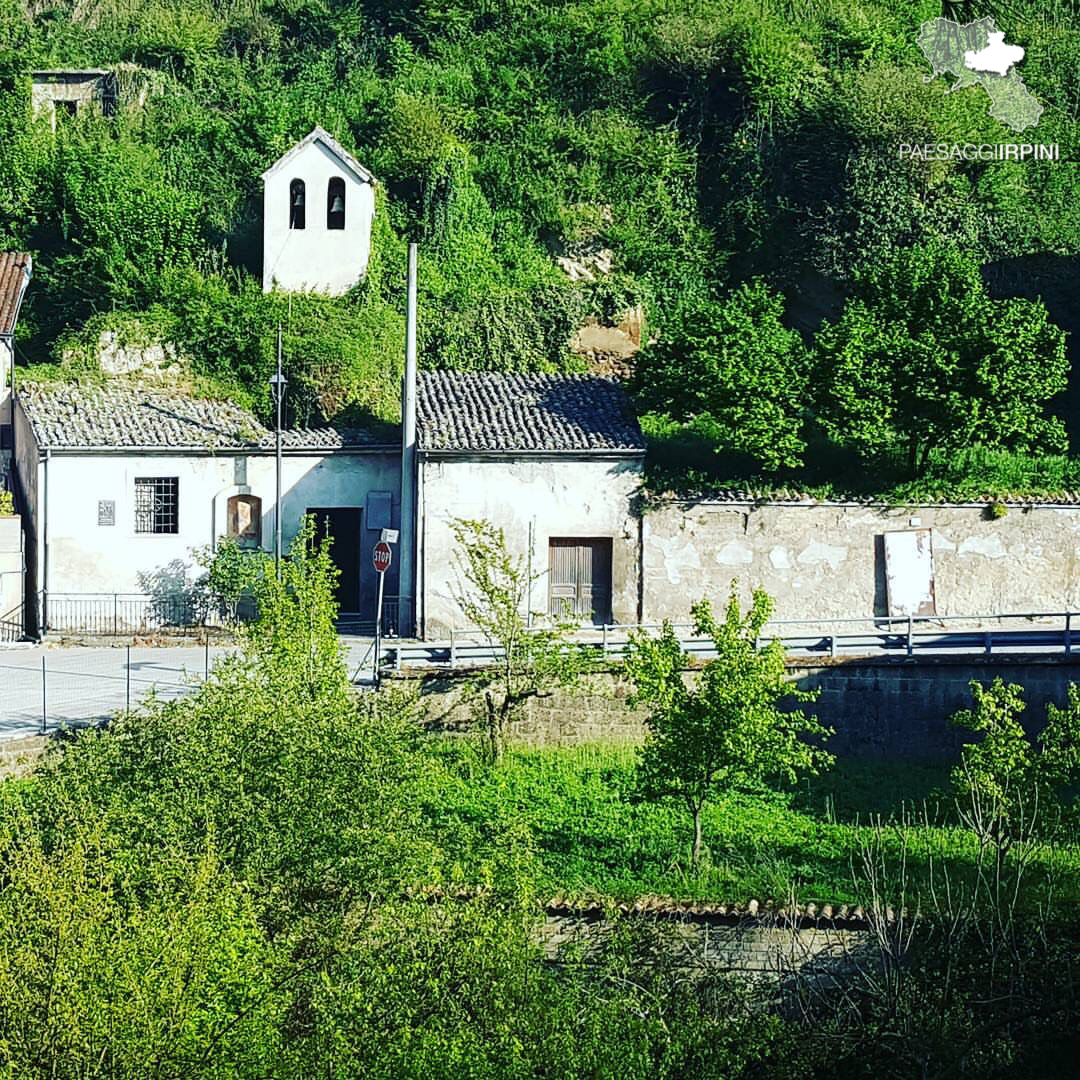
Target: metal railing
1045, 632
361, 626
13, 625
125, 614
115, 614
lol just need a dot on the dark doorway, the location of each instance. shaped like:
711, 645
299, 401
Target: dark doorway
579, 578
342, 525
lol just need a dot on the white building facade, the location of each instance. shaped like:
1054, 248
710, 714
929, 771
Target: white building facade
15, 271
121, 488
554, 461
318, 209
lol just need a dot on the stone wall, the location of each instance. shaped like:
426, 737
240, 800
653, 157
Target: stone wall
881, 708
19, 756
825, 560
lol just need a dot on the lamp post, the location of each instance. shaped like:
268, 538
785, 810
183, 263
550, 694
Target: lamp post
277, 388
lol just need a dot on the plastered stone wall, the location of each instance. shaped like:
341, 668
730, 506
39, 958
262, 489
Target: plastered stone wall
823, 561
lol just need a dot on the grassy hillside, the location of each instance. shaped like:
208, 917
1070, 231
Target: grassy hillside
702, 142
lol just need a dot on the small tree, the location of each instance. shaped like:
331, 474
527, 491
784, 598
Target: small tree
1006, 781
493, 593
725, 729
996, 783
232, 575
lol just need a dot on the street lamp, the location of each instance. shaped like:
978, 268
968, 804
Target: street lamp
277, 388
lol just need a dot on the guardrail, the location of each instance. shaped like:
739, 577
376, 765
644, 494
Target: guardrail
1047, 632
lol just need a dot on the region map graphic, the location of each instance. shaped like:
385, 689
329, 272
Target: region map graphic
977, 55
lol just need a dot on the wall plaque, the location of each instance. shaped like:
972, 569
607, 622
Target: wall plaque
106, 512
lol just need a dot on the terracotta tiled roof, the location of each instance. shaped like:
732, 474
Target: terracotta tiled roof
14, 273
65, 416
494, 412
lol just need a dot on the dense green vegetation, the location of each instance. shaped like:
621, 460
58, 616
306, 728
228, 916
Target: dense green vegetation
274, 877
739, 160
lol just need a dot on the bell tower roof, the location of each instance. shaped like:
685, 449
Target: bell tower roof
330, 144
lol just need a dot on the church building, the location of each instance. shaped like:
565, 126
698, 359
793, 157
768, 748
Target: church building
318, 208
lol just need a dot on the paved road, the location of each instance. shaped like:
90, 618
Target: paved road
88, 685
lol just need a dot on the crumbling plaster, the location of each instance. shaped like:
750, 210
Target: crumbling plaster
826, 561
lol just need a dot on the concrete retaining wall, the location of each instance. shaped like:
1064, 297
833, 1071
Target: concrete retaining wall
826, 560
883, 709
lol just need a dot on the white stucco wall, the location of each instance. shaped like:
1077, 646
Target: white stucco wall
315, 258
85, 557
562, 497
11, 564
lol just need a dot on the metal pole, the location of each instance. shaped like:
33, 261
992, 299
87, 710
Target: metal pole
407, 572
1068, 633
378, 624
127, 667
206, 657
278, 395
909, 642
44, 702
529, 576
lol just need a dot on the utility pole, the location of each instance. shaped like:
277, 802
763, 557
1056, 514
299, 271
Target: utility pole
407, 573
277, 385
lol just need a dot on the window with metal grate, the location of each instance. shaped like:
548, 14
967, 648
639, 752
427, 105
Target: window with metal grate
157, 504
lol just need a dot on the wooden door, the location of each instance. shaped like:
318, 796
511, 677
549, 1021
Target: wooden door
579, 578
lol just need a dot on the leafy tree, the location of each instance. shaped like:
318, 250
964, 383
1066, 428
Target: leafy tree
996, 783
735, 371
725, 728
232, 575
922, 359
531, 661
1007, 782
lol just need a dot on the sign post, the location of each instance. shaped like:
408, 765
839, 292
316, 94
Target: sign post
381, 557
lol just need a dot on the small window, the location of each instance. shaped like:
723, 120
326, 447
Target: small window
245, 520
297, 205
157, 504
65, 107
335, 203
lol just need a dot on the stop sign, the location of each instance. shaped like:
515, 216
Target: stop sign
381, 557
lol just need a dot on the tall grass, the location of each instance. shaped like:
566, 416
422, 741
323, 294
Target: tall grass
594, 838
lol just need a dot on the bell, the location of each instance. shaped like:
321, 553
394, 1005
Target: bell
298, 199
338, 205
